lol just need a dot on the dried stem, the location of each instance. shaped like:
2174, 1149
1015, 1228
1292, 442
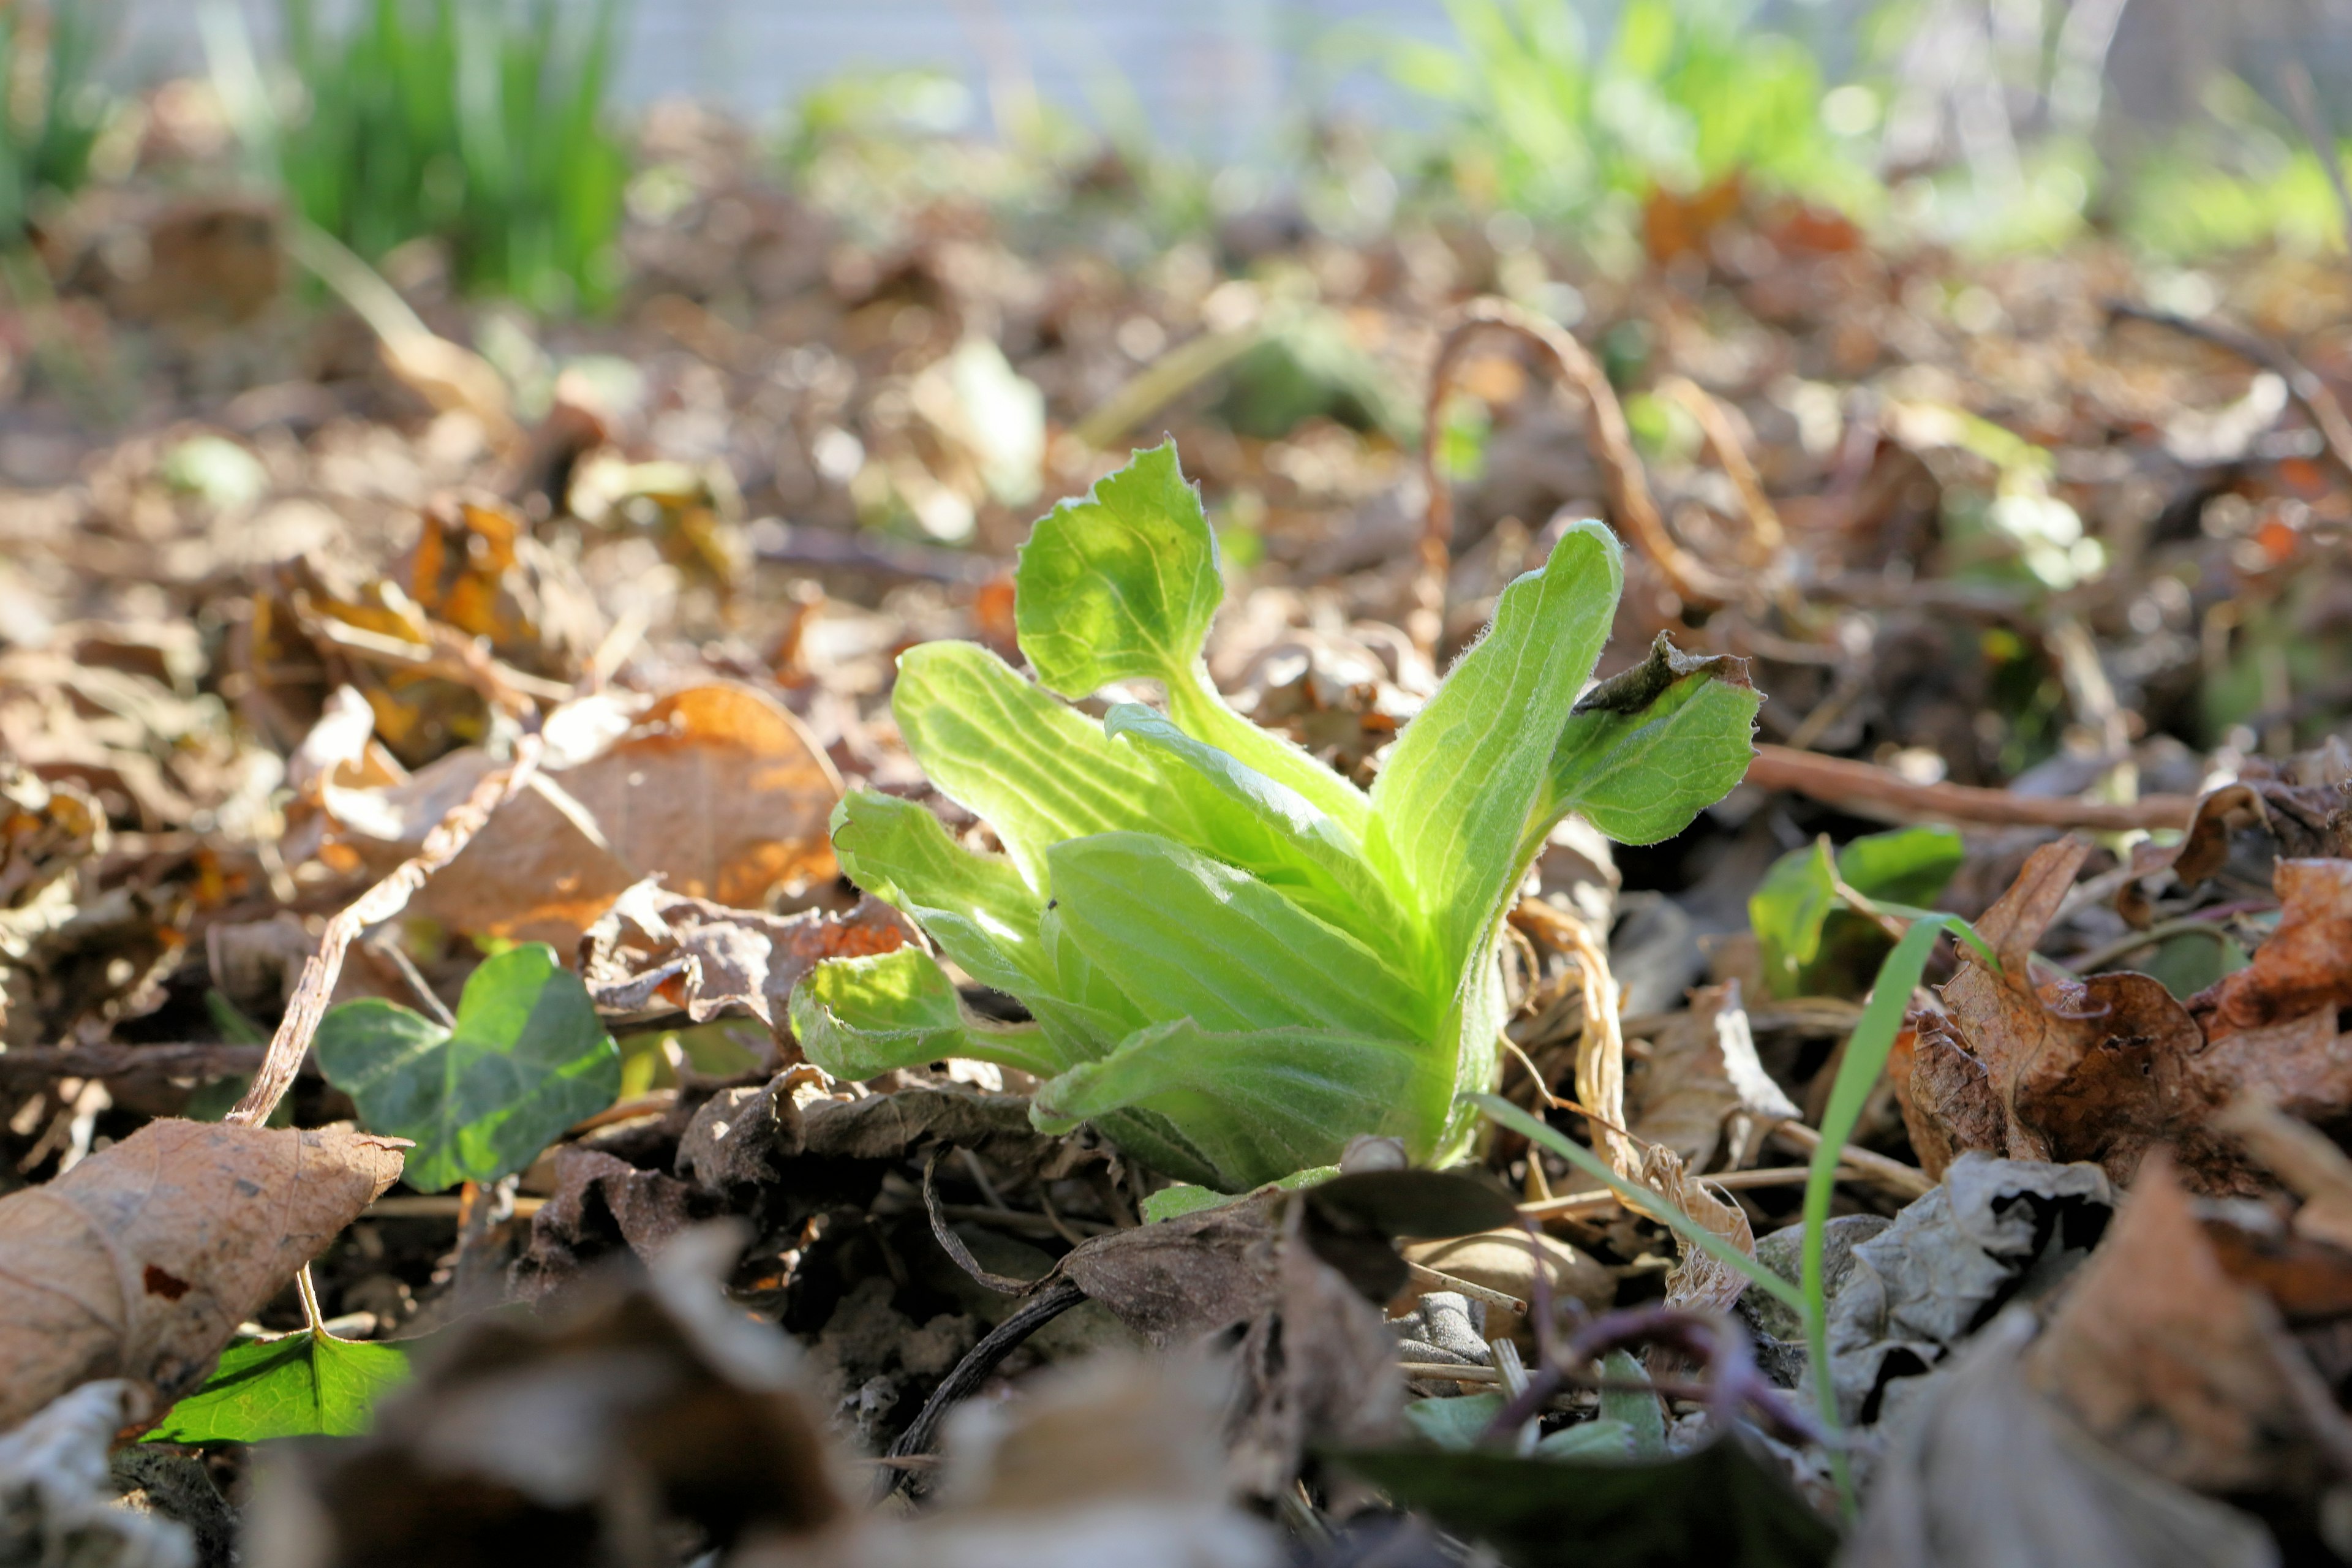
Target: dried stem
1601, 1048
1636, 509
1867, 789
381, 902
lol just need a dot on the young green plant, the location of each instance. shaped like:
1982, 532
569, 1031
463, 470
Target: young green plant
1232, 960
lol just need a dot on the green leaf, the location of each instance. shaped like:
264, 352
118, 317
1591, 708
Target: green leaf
1637, 1410
1864, 1064
1181, 1198
978, 909
1037, 770
526, 1058
1594, 1442
1268, 829
1646, 750
1259, 1105
855, 1017
303, 1385
1450, 811
1185, 936
1808, 941
1122, 585
1457, 1423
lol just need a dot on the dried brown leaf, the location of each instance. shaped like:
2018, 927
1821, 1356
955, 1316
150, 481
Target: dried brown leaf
2178, 1366
141, 1260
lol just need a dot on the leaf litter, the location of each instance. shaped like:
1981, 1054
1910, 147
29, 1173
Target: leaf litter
803, 954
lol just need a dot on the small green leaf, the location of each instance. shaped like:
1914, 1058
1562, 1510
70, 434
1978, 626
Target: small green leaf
1645, 751
1807, 940
1457, 1423
1597, 1441
527, 1059
1637, 1410
1186, 936
1451, 810
855, 1017
1120, 585
303, 1385
1037, 770
1260, 1105
1181, 1198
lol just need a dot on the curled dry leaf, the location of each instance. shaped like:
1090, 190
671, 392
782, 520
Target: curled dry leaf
660, 951
1988, 1474
141, 1260
1989, 1231
2107, 1068
1701, 1082
715, 790
1701, 1281
2166, 1351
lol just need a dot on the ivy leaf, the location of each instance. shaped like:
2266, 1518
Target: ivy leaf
526, 1058
301, 1385
1810, 943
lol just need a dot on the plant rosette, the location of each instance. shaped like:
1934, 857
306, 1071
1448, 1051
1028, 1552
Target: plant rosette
1234, 960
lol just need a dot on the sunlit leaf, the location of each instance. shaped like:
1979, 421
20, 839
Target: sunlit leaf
526, 1058
301, 1385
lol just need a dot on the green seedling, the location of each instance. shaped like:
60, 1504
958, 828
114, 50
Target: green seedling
1234, 960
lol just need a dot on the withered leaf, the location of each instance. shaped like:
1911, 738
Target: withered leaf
141, 1260
2108, 1067
715, 790
1177, 1280
656, 949
1990, 1230
2181, 1368
1987, 1475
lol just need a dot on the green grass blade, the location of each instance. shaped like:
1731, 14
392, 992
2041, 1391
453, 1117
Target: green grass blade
1639, 1199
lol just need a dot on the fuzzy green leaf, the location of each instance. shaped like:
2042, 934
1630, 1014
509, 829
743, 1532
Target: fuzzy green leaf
1268, 829
303, 1385
526, 1058
977, 909
1037, 770
855, 1017
1260, 1104
1451, 810
1122, 585
1643, 753
1186, 936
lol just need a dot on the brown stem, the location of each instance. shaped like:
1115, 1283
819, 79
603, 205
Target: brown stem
1636, 509
2309, 392
1867, 789
381, 902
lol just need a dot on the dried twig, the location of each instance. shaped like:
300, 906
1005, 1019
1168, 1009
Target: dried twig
973, 1370
41, 1064
1629, 497
2309, 392
381, 902
1870, 791
1764, 535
